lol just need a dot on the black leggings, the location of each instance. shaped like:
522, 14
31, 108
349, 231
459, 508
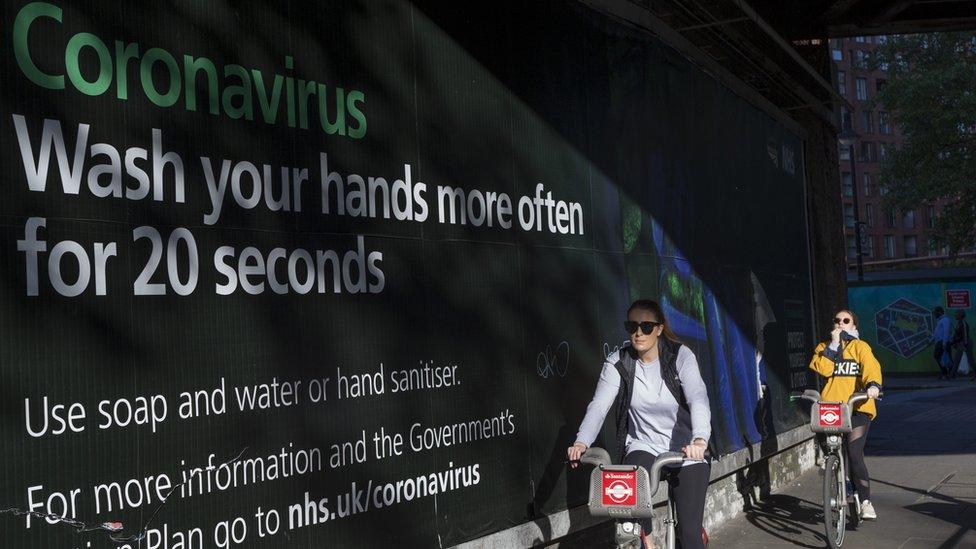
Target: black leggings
688, 485
854, 447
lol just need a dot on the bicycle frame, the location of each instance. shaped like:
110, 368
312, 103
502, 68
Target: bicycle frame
833, 421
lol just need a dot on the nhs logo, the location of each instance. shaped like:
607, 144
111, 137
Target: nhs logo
789, 160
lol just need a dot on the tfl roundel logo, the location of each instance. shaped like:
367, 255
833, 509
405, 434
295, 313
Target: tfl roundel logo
620, 487
830, 415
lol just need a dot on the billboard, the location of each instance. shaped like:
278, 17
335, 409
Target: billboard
896, 318
344, 274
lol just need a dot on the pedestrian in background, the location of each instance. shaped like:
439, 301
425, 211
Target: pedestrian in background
962, 345
941, 340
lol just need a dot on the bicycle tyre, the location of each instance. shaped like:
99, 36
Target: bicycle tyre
834, 502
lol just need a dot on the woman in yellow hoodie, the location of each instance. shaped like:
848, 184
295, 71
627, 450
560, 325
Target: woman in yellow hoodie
850, 367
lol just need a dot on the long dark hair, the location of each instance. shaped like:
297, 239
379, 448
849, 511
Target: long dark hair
655, 308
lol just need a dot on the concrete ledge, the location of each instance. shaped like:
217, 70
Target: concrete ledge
737, 481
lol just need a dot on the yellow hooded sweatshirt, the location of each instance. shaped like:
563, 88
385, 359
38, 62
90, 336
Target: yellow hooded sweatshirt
850, 369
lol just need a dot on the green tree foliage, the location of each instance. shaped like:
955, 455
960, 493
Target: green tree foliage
931, 96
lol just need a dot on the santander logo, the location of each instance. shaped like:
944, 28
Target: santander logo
619, 488
830, 415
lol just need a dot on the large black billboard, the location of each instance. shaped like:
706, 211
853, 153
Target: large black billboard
375, 251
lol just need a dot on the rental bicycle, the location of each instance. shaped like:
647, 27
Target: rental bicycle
833, 420
624, 493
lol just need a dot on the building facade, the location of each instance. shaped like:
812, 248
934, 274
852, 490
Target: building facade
889, 235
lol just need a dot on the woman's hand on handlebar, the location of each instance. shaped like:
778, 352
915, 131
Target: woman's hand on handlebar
873, 392
695, 450
574, 453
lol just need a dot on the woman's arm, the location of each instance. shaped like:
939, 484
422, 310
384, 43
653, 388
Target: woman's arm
823, 360
870, 367
596, 412
695, 393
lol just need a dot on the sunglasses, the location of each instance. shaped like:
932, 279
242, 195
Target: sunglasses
839, 320
647, 327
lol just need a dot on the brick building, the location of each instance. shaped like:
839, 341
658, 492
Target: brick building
889, 235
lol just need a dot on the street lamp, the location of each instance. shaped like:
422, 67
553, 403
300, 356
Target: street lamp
848, 138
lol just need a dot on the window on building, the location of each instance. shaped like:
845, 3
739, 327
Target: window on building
849, 216
881, 39
868, 152
911, 246
930, 217
867, 121
883, 191
908, 219
837, 54
932, 248
842, 82
847, 186
861, 85
869, 215
851, 247
882, 151
867, 183
889, 246
870, 250
884, 125
859, 39
890, 218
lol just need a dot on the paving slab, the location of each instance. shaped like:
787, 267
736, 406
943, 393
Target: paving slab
922, 460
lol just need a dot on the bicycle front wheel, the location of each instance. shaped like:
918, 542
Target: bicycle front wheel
834, 501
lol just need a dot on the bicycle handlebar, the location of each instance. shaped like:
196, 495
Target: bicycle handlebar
598, 457
663, 460
814, 396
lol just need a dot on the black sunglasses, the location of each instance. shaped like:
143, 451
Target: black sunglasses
839, 320
647, 326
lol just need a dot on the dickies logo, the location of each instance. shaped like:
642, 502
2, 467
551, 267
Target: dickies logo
847, 368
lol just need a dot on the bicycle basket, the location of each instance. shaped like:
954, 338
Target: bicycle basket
620, 491
830, 418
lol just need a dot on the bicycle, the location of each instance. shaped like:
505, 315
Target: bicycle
624, 492
833, 419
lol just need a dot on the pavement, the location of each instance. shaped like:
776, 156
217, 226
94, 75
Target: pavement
916, 383
921, 455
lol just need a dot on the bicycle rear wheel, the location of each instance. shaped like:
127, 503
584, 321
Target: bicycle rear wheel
834, 501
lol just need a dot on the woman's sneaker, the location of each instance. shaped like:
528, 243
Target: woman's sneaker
867, 510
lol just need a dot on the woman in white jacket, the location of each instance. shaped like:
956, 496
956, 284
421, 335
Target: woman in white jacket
661, 406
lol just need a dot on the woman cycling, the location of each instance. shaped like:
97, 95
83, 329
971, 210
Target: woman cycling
656, 412
849, 366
